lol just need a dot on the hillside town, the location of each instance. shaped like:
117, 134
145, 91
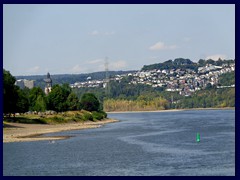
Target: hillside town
185, 82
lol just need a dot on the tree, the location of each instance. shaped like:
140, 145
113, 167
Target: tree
10, 94
201, 62
22, 101
40, 104
34, 95
90, 102
57, 98
66, 90
72, 101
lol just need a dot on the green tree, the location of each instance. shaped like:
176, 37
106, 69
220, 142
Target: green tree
57, 98
35, 94
10, 95
40, 104
72, 101
66, 90
227, 79
22, 101
201, 62
90, 102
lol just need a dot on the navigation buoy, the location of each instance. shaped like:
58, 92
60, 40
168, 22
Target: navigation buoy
198, 137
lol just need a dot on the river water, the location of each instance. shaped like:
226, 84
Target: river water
149, 144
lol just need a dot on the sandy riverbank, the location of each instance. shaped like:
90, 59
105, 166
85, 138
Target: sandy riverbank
18, 132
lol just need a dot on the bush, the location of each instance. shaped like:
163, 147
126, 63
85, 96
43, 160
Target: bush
87, 116
58, 119
89, 102
99, 115
78, 117
104, 114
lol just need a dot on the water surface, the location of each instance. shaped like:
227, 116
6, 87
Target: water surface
150, 144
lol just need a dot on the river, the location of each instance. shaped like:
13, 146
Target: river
147, 143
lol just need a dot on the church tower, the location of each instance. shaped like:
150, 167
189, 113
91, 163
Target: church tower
48, 86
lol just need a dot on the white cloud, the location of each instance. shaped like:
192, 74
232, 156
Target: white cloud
88, 67
97, 65
171, 47
157, 46
161, 46
216, 57
78, 69
34, 69
118, 65
95, 61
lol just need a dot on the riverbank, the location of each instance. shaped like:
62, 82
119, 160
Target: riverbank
169, 110
19, 132
172, 110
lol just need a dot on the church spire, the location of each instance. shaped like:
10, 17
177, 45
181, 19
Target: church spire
48, 86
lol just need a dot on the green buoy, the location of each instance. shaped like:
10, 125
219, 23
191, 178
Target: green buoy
198, 137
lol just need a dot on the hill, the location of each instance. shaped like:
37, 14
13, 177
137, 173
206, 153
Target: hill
180, 63
71, 78
183, 64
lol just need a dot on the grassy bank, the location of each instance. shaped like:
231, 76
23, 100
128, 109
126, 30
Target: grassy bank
64, 117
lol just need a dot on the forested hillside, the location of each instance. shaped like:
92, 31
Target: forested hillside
183, 64
128, 92
71, 78
124, 97
170, 64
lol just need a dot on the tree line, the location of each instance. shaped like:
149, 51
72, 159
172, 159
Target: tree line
181, 63
60, 99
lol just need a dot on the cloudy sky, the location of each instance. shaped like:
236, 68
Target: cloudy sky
72, 39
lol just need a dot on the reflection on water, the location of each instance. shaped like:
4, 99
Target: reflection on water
140, 144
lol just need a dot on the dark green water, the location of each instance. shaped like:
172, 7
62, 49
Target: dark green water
151, 144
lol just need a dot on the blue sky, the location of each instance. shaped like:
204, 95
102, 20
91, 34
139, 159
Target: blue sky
72, 39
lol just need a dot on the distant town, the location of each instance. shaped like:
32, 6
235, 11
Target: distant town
185, 81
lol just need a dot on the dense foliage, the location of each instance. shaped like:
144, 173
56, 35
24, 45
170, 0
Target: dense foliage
89, 102
227, 79
64, 117
181, 63
14, 99
219, 62
170, 64
60, 99
211, 98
